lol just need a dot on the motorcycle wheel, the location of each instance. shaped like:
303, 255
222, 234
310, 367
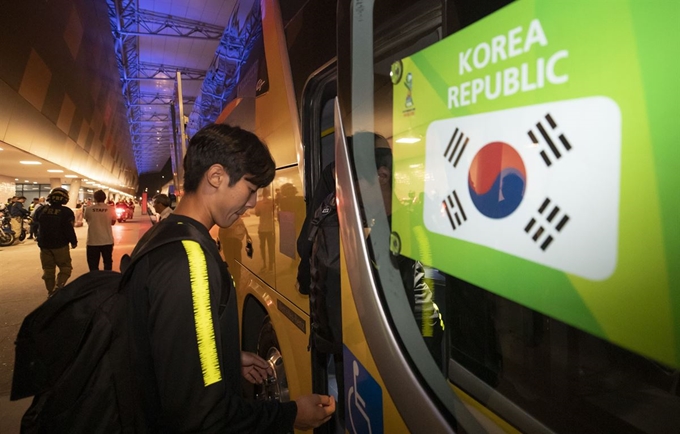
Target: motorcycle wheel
6, 239
22, 235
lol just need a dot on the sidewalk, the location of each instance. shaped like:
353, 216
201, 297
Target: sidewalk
22, 290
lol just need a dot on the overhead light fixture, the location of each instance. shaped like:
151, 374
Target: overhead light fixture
1, 149
30, 163
70, 176
55, 171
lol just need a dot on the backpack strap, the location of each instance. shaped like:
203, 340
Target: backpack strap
317, 289
326, 208
158, 236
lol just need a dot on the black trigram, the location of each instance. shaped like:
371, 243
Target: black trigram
454, 210
554, 217
545, 135
454, 155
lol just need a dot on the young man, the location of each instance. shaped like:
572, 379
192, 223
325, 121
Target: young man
55, 234
185, 355
99, 217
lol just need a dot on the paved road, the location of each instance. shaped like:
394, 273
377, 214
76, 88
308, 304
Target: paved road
22, 290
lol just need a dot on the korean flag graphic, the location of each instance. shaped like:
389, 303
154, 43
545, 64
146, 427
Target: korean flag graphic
538, 182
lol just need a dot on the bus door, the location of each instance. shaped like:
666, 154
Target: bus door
319, 148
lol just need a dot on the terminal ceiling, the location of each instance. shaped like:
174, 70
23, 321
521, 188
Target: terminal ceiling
205, 40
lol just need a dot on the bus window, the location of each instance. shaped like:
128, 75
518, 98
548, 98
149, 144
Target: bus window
533, 369
317, 126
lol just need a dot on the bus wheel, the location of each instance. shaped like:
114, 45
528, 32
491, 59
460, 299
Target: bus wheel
275, 388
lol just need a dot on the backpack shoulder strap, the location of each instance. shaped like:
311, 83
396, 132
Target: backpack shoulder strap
327, 208
165, 234
160, 235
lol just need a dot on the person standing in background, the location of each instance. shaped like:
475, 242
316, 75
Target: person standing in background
10, 202
231, 244
161, 204
55, 233
34, 222
33, 204
264, 209
18, 213
100, 217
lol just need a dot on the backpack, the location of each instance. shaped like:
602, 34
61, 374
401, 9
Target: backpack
324, 288
71, 351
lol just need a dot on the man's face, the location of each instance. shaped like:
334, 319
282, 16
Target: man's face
234, 201
158, 207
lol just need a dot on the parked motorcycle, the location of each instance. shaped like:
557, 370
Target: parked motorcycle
6, 233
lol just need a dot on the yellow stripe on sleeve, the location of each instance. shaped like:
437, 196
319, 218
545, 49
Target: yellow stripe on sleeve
200, 294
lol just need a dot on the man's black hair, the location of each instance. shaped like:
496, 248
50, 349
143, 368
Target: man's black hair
99, 196
240, 152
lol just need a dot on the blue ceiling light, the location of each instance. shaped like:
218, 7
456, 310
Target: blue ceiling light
148, 85
223, 75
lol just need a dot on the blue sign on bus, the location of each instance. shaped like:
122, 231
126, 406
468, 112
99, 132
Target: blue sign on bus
363, 398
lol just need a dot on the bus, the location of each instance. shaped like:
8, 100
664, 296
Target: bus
535, 173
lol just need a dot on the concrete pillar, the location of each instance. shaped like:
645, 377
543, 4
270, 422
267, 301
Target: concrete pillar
55, 182
73, 193
73, 199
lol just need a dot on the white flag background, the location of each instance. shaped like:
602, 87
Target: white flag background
568, 216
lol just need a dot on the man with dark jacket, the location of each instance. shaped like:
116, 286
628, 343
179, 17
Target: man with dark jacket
18, 213
185, 356
55, 234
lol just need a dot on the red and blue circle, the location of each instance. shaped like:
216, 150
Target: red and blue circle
497, 180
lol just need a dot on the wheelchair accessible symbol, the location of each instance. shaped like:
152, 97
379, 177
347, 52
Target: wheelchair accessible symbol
363, 412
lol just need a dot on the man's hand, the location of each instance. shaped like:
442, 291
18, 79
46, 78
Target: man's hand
254, 368
313, 410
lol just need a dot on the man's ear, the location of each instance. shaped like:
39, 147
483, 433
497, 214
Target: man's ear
384, 175
216, 175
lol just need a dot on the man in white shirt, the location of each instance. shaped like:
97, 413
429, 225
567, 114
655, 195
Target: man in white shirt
161, 204
100, 217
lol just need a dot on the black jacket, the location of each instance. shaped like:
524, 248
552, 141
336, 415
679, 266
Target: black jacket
185, 351
56, 227
17, 210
